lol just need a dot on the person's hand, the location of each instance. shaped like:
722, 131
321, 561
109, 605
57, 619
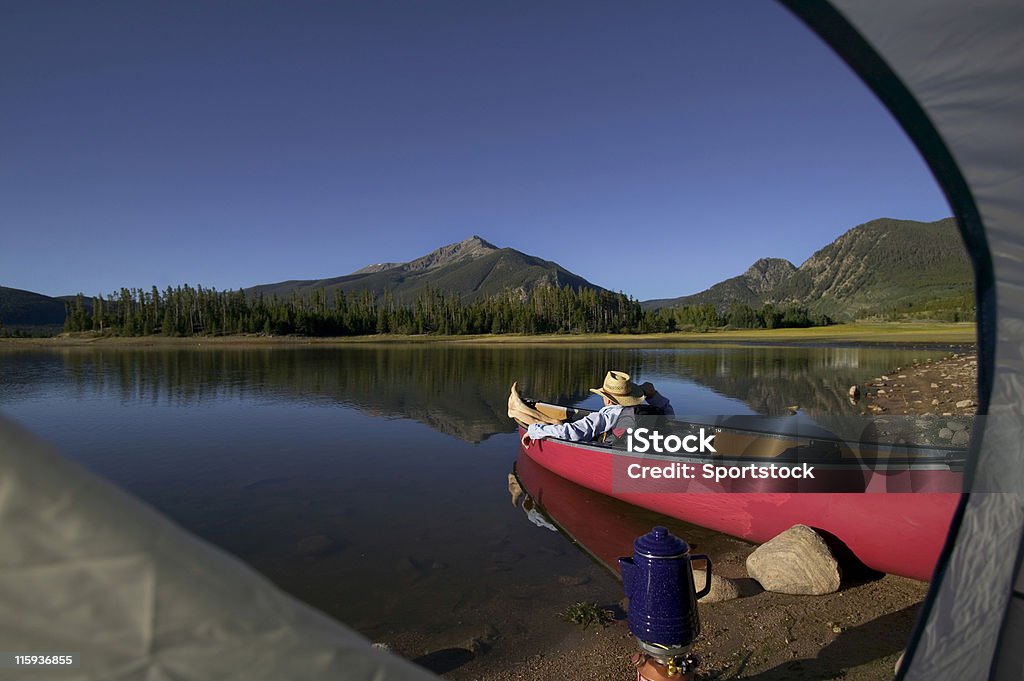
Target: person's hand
648, 389
526, 441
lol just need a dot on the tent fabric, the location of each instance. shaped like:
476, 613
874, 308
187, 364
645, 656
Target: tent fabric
85, 568
963, 63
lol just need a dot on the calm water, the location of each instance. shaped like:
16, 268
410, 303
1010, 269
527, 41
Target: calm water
371, 482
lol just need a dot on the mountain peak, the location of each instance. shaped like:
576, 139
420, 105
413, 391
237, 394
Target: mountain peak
468, 249
477, 241
767, 273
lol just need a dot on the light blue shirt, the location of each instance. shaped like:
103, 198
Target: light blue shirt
590, 426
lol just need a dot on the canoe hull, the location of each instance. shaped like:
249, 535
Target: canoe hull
895, 532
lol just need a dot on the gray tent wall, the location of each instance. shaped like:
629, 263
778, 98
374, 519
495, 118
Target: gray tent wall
88, 569
951, 71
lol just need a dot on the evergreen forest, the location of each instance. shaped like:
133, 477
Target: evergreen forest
198, 311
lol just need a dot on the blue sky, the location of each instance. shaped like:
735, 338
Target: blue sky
653, 147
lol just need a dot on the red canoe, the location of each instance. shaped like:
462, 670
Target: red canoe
900, 532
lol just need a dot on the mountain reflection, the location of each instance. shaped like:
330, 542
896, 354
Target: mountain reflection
459, 390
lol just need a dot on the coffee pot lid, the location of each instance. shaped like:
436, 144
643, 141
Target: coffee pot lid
660, 543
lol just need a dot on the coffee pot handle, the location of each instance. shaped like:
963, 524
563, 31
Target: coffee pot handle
707, 574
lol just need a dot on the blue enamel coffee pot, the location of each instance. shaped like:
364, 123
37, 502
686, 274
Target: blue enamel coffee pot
658, 580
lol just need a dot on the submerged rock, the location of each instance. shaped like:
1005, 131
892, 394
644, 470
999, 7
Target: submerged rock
795, 562
314, 545
573, 580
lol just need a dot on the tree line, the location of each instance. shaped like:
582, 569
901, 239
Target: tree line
191, 311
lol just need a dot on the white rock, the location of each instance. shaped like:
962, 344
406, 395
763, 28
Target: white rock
962, 404
795, 562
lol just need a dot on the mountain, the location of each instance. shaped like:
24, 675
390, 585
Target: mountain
31, 311
472, 268
881, 265
751, 287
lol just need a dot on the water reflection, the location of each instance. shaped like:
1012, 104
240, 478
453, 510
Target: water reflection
457, 390
602, 527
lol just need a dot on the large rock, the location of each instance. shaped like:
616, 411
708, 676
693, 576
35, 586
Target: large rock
795, 562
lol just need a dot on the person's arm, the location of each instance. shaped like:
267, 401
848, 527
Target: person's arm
657, 400
581, 430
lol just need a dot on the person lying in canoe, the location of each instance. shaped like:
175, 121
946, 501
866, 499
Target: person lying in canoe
623, 402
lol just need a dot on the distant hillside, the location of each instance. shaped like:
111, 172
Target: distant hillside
26, 310
472, 268
751, 287
873, 268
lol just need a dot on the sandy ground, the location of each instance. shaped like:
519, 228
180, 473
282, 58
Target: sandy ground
857, 633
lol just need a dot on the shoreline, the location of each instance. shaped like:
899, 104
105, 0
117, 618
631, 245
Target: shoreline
896, 333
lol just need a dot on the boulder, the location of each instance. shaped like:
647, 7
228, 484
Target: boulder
945, 433
795, 562
956, 426
961, 438
722, 588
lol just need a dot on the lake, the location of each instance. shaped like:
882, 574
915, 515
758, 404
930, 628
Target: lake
372, 481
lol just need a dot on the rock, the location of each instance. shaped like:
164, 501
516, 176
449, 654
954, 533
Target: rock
854, 393
956, 426
314, 545
573, 580
514, 489
722, 588
795, 562
881, 391
935, 401
381, 645
934, 386
963, 404
946, 433
961, 438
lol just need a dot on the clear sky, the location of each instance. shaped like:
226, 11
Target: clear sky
653, 147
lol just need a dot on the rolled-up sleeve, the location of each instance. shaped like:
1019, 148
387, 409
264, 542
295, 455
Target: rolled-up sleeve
659, 401
582, 430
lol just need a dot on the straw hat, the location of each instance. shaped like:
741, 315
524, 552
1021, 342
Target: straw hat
620, 389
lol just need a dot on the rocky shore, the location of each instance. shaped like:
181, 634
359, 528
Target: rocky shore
946, 387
